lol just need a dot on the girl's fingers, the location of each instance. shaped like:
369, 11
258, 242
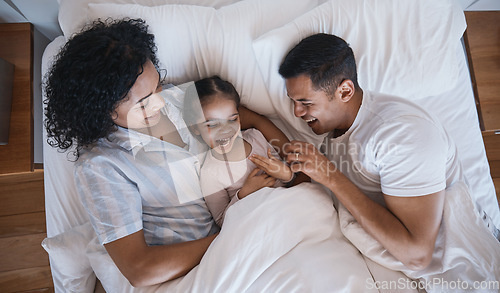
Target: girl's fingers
270, 182
270, 155
259, 159
254, 172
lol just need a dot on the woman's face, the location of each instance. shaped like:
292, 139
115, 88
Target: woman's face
141, 108
221, 125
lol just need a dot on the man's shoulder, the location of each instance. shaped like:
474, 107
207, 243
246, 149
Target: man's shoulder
393, 119
393, 108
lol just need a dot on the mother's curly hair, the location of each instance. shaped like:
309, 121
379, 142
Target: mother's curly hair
90, 76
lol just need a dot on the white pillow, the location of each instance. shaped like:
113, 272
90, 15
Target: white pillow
68, 258
184, 45
404, 48
196, 42
72, 13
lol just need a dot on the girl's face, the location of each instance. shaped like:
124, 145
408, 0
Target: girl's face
221, 125
142, 106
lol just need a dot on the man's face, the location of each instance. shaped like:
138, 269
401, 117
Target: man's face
321, 111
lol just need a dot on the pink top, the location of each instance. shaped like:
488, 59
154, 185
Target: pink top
221, 180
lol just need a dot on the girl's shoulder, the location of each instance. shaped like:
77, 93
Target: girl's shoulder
252, 134
257, 140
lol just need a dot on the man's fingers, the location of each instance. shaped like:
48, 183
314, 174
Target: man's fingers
296, 167
296, 146
293, 157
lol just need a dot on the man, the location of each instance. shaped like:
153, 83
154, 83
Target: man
387, 160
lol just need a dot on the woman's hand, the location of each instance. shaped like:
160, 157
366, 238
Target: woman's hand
272, 166
255, 182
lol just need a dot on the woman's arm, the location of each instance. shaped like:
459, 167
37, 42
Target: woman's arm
250, 119
145, 265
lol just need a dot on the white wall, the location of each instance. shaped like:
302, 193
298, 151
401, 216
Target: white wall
43, 15
483, 5
40, 41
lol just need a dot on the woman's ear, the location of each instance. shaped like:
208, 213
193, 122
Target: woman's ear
194, 129
346, 90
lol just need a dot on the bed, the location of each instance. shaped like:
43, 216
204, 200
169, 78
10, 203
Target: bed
407, 48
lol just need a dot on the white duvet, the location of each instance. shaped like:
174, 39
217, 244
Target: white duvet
276, 240
466, 256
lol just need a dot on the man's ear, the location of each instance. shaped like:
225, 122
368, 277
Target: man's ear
346, 90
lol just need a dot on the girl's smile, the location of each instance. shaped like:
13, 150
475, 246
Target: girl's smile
220, 126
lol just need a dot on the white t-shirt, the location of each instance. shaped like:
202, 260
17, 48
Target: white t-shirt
396, 148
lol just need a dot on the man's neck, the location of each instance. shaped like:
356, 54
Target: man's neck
355, 105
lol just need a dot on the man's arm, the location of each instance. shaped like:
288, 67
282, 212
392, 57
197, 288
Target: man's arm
407, 228
145, 265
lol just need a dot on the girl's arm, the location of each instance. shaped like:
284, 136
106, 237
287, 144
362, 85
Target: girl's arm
250, 119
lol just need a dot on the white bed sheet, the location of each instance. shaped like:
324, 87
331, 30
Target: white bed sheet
304, 251
455, 108
465, 249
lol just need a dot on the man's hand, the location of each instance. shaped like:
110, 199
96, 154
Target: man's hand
255, 182
305, 157
272, 166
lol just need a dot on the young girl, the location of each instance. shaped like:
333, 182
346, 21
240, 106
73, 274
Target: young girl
228, 174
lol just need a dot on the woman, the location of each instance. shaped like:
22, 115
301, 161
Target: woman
136, 160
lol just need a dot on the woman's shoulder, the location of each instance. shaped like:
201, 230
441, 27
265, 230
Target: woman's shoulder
101, 153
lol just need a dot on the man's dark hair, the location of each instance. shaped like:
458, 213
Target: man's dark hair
90, 76
326, 59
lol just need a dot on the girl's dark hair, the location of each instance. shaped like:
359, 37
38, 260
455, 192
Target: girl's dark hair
202, 92
90, 76
326, 59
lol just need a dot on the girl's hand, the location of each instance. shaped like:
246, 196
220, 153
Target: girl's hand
272, 166
255, 182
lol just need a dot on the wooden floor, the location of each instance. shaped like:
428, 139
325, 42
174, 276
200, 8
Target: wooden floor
24, 264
